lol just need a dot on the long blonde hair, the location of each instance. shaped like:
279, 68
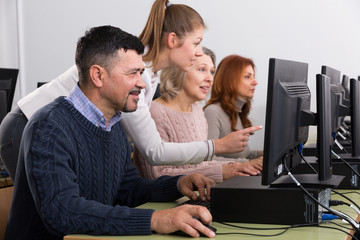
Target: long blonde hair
163, 19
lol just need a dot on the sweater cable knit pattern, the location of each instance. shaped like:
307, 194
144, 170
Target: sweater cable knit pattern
70, 175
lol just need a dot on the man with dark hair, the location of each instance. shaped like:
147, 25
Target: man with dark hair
75, 173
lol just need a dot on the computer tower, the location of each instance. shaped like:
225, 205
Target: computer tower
243, 199
351, 180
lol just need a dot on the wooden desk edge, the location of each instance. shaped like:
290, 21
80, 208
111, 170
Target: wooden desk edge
352, 231
82, 238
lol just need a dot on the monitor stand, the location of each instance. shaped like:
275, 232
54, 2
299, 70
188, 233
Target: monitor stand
307, 181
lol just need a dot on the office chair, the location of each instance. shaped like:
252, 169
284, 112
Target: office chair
39, 84
11, 130
3, 105
157, 92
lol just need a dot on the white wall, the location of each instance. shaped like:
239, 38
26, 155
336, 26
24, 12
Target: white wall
9, 54
8, 33
322, 32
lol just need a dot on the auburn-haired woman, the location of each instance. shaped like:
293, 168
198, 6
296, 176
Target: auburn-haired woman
229, 106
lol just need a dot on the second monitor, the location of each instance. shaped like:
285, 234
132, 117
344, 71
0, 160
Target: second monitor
288, 117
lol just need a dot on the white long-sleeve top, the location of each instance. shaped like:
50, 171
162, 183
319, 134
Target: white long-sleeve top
139, 124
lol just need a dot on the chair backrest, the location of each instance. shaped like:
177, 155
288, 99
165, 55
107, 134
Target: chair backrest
5, 202
3, 105
39, 84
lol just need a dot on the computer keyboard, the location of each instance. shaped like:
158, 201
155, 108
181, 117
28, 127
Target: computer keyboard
198, 202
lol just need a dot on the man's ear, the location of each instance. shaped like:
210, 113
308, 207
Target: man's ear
172, 40
97, 75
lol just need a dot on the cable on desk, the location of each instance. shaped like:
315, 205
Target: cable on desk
346, 163
345, 129
285, 229
345, 150
328, 216
269, 228
348, 141
255, 235
341, 230
338, 202
356, 208
350, 192
333, 211
339, 225
307, 163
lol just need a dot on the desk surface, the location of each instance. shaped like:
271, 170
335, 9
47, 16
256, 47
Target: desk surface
5, 182
293, 234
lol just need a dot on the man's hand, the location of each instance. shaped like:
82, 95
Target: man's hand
188, 184
181, 218
238, 169
234, 142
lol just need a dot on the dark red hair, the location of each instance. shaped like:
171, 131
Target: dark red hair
225, 88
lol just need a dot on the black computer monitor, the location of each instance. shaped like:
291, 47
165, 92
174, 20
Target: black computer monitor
345, 83
338, 108
323, 121
8, 79
287, 95
288, 117
355, 116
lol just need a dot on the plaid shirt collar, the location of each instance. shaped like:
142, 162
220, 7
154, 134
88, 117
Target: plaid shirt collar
90, 111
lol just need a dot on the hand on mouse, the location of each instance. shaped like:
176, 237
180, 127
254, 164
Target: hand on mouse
182, 218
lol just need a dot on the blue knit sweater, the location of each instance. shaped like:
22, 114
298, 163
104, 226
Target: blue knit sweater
70, 173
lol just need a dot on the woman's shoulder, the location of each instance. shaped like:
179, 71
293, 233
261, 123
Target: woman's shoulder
160, 114
214, 107
157, 108
215, 112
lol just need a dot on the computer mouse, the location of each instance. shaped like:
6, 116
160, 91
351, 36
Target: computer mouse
181, 233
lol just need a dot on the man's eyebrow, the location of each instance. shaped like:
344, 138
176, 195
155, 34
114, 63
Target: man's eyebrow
135, 70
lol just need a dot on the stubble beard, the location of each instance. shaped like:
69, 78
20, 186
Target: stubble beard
126, 108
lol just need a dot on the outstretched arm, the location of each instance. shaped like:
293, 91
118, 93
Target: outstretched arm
142, 130
235, 141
